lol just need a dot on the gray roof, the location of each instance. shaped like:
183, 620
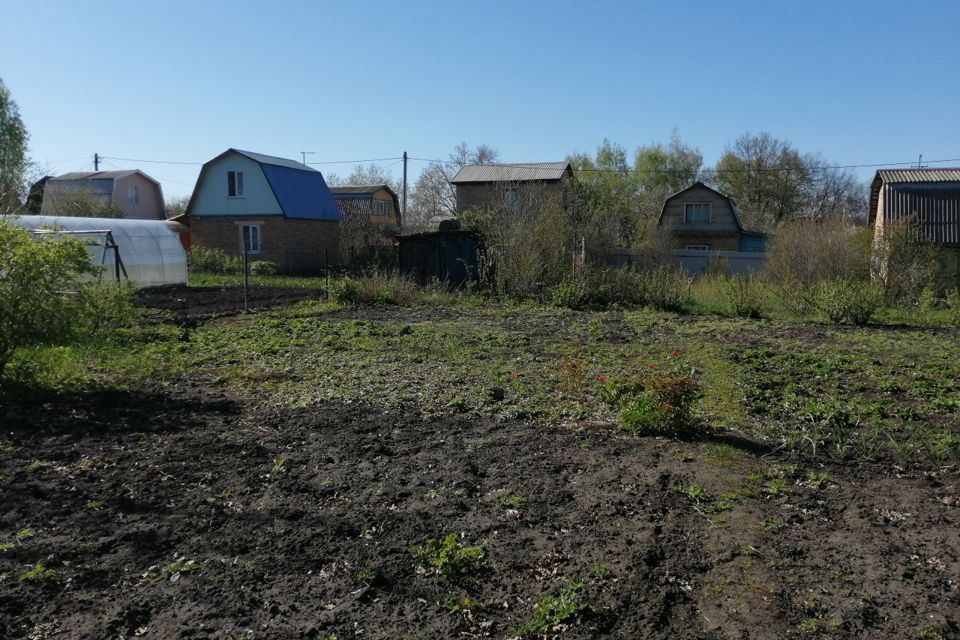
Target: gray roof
919, 175
360, 188
536, 171
273, 160
94, 175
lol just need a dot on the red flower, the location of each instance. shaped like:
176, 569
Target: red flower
601, 379
514, 374
650, 366
674, 353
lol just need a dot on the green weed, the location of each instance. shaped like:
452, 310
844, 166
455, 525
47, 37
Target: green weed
563, 606
448, 558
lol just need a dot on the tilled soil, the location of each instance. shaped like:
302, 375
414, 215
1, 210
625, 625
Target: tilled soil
207, 302
298, 523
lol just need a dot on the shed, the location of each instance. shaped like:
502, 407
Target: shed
149, 250
449, 256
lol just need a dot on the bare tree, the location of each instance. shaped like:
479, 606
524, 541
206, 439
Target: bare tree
176, 206
433, 197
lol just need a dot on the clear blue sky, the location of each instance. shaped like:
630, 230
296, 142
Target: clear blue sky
859, 82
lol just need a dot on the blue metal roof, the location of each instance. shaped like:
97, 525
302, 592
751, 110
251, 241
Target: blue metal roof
301, 193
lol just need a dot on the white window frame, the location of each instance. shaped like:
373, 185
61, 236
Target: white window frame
686, 212
132, 196
237, 184
255, 232
697, 247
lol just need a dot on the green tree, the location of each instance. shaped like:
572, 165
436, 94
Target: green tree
33, 279
13, 153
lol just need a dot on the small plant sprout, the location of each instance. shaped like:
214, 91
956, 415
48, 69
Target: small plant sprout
25, 534
94, 505
174, 570
512, 502
279, 464
448, 558
563, 606
40, 574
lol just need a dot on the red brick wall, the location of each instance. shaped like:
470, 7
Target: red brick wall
296, 246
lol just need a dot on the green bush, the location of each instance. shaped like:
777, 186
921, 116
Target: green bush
746, 296
664, 287
35, 306
568, 294
210, 260
263, 268
665, 406
345, 291
953, 304
848, 300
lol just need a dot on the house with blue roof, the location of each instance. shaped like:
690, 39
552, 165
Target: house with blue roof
276, 209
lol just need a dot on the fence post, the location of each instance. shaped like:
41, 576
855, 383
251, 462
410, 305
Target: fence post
246, 306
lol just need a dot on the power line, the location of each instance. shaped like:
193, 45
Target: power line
151, 161
712, 171
356, 161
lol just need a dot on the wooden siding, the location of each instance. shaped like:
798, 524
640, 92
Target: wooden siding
211, 197
722, 220
476, 195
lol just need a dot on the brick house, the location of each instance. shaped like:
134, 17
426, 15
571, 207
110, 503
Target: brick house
700, 218
131, 193
280, 209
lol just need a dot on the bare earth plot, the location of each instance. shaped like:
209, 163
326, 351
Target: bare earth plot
272, 476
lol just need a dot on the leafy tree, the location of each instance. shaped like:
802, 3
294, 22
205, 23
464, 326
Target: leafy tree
13, 153
34, 276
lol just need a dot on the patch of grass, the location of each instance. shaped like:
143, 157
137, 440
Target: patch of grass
448, 558
564, 606
94, 505
25, 534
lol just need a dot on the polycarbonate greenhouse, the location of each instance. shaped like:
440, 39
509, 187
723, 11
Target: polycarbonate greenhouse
150, 252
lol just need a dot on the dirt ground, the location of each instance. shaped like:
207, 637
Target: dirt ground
207, 302
185, 512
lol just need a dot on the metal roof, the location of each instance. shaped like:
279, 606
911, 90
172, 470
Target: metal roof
526, 172
919, 175
360, 188
274, 161
300, 191
95, 175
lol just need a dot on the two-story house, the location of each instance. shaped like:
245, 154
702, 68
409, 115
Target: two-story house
700, 218
277, 209
129, 194
506, 185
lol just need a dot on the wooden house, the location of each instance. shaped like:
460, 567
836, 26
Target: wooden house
129, 194
700, 218
497, 185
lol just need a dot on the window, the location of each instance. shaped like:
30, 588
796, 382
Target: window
697, 212
250, 238
235, 184
698, 247
132, 195
511, 196
382, 208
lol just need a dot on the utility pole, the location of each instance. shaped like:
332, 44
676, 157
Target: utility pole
96, 162
404, 215
920, 162
304, 155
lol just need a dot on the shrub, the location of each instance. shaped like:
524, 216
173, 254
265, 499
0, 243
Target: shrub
34, 305
263, 268
210, 260
953, 304
746, 296
568, 294
664, 287
665, 406
907, 264
842, 300
345, 291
